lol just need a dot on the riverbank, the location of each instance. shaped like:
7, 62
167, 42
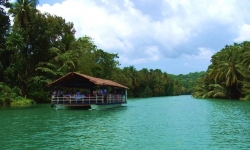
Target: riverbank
19, 101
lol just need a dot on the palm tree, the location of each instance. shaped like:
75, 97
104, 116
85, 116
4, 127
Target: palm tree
216, 91
22, 10
227, 68
144, 75
86, 49
132, 74
64, 59
246, 54
134, 79
200, 89
160, 83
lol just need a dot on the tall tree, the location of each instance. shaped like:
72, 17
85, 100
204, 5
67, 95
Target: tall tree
4, 27
226, 68
4, 24
246, 54
22, 10
61, 54
105, 64
227, 76
246, 63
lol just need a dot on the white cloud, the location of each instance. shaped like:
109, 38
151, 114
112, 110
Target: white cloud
203, 53
129, 24
181, 28
126, 60
150, 54
244, 33
153, 53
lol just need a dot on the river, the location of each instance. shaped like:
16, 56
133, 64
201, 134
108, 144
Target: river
179, 122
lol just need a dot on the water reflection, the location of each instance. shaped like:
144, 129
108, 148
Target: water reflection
154, 123
229, 124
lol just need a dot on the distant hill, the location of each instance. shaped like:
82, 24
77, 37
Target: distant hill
188, 81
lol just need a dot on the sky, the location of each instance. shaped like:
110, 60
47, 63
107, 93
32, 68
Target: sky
175, 36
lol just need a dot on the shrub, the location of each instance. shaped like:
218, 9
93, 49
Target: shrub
19, 101
9, 96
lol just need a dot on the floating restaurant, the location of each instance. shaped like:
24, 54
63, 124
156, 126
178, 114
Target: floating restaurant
76, 90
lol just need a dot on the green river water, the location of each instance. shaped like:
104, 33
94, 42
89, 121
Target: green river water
179, 122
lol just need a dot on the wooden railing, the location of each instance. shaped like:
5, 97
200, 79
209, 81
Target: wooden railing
67, 99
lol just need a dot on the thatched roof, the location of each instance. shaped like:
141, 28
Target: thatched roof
74, 79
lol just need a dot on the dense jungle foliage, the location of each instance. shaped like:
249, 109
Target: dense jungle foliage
39, 48
228, 76
188, 81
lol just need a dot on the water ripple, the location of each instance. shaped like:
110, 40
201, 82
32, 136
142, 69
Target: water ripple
154, 123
